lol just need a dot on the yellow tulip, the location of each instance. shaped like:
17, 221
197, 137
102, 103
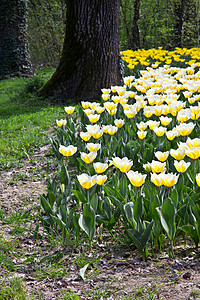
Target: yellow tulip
153, 124
178, 154
181, 166
136, 179
193, 142
193, 152
85, 136
185, 129
105, 97
141, 134
162, 156
87, 181
157, 166
157, 179
100, 167
93, 147
119, 123
88, 158
93, 118
110, 105
101, 179
85, 104
169, 179
111, 129
159, 131
198, 179
106, 91
99, 109
147, 167
165, 120
130, 113
61, 122
124, 164
67, 151
141, 125
69, 109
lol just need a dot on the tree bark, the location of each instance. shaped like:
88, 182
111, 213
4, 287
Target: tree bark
14, 56
136, 30
90, 58
190, 24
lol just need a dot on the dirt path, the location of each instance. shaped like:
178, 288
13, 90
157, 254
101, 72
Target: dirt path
113, 272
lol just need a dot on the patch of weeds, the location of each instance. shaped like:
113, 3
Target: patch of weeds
194, 294
18, 230
102, 292
146, 293
69, 296
6, 253
18, 217
52, 271
15, 290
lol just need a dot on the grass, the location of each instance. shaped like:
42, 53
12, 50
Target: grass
25, 118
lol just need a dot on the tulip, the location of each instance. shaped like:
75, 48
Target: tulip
130, 113
69, 110
153, 124
124, 164
141, 134
67, 151
157, 179
93, 147
162, 156
141, 125
88, 158
178, 154
193, 152
147, 167
87, 181
159, 131
198, 179
106, 91
101, 179
93, 118
100, 167
169, 179
136, 179
111, 129
110, 105
61, 122
185, 129
165, 120
157, 166
193, 142
85, 104
99, 109
85, 136
119, 123
181, 166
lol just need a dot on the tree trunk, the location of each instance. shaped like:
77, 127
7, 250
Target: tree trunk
178, 10
90, 58
190, 24
14, 58
135, 30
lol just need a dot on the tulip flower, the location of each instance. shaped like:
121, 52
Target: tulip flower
157, 166
198, 179
101, 179
100, 167
61, 122
88, 158
67, 151
93, 147
136, 179
165, 120
93, 118
169, 179
193, 152
181, 166
119, 123
85, 104
85, 136
162, 156
178, 154
99, 109
69, 109
193, 142
124, 164
157, 179
142, 125
87, 181
185, 129
141, 134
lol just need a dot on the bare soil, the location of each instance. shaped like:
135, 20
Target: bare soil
116, 271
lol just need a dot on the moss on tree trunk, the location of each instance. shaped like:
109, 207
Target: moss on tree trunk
14, 57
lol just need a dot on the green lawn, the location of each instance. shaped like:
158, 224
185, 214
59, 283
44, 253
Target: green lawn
25, 118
